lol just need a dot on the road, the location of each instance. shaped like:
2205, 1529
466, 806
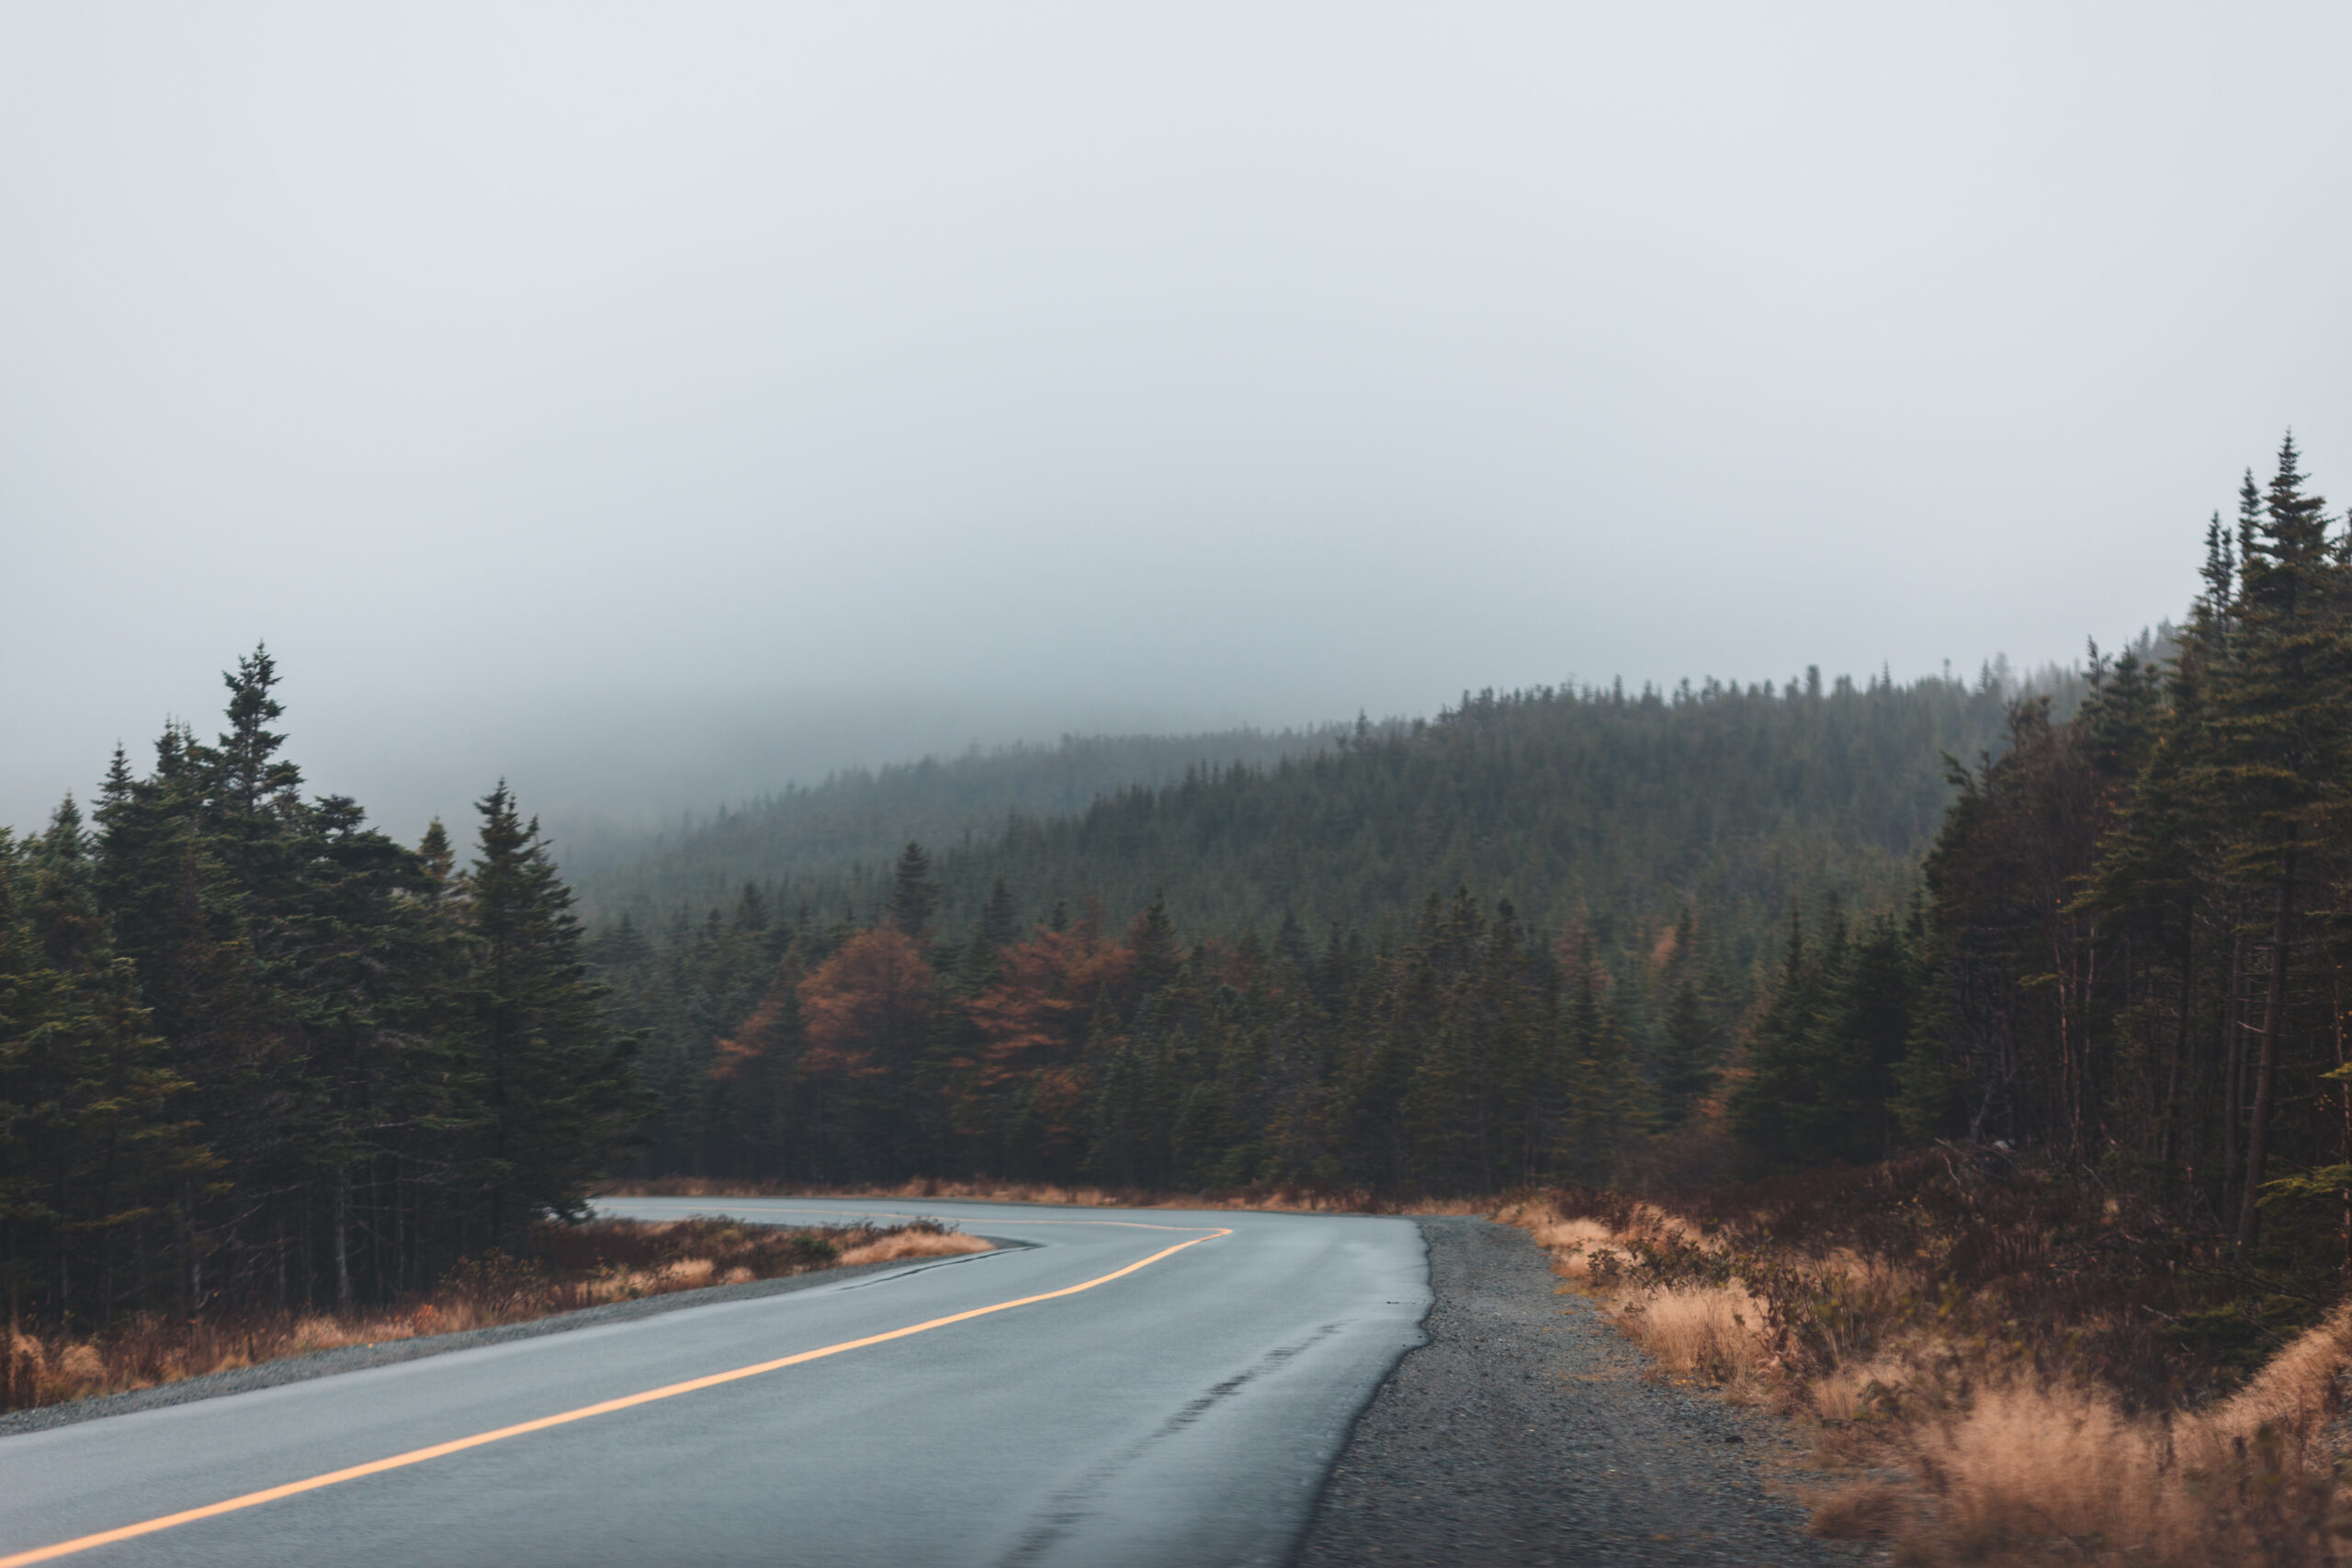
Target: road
1174, 1398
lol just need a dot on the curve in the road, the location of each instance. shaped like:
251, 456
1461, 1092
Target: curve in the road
604, 1407
1181, 1418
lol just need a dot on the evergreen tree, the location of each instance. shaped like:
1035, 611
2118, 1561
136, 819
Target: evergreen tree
1686, 1070
556, 1099
913, 894
2280, 729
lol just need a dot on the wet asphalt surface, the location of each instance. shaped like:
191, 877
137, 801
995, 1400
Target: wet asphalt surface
1527, 1432
1242, 1402
391, 1352
1153, 1389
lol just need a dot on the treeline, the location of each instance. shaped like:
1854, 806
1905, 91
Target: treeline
253, 1050
1634, 855
1470, 1054
2133, 946
819, 841
1579, 805
256, 1053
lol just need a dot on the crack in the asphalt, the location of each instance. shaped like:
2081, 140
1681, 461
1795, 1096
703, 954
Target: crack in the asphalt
1072, 1505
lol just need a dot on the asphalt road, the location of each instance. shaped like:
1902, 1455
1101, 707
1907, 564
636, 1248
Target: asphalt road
1181, 1413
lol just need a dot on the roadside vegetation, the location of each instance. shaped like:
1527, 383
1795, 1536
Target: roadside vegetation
1254, 1200
2007, 1364
567, 1266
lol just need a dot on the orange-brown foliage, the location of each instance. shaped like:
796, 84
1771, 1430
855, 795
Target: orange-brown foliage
864, 1010
1035, 1016
759, 1038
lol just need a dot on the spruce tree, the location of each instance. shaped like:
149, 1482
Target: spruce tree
1686, 1068
915, 895
556, 1097
2280, 731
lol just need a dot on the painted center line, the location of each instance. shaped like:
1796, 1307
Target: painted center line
605, 1407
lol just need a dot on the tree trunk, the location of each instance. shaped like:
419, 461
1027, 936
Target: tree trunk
2232, 1053
342, 1241
2179, 1053
2344, 1106
2266, 1072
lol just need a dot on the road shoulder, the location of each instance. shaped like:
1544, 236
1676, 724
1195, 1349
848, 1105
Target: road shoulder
1527, 1432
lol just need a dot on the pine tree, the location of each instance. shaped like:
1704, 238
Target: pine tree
556, 1096
1686, 1068
2279, 725
998, 927
913, 895
95, 1140
1603, 1110
1772, 1105
253, 774
1153, 942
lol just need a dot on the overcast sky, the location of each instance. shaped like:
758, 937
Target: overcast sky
650, 402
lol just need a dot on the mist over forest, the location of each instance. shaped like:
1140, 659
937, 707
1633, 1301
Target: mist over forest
831, 845
1712, 631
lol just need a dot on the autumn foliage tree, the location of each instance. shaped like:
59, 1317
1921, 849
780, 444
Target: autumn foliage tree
866, 1023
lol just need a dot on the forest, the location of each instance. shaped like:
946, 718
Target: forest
256, 1054
1588, 936
253, 1051
817, 841
1509, 944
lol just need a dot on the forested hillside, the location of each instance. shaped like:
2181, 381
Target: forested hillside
846, 832
252, 1050
1588, 800
256, 1054
1253, 974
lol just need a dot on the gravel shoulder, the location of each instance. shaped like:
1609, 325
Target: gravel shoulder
353, 1358
1526, 1432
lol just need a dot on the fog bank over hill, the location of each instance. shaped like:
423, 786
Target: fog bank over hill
1092, 818
553, 388
851, 826
607, 774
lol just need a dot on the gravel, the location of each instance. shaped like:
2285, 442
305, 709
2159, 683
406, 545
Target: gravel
1526, 1432
353, 1358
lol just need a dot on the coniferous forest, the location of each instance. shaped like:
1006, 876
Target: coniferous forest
253, 1050
1505, 945
255, 1053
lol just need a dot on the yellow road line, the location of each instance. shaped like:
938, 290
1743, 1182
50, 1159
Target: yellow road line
418, 1455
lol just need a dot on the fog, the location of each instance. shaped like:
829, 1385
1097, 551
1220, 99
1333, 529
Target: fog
655, 402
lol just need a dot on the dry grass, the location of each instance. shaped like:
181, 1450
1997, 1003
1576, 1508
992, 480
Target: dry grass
890, 1246
1714, 1333
1263, 1200
1975, 1434
574, 1267
2023, 1471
